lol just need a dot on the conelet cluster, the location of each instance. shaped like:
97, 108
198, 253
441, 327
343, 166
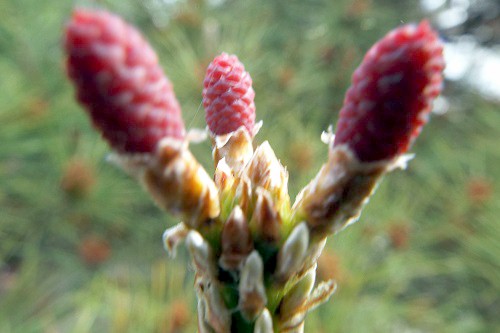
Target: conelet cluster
254, 251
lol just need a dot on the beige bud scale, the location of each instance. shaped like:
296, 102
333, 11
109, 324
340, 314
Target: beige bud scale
236, 241
252, 294
175, 180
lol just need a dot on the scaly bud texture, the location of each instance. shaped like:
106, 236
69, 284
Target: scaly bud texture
384, 111
228, 96
118, 79
254, 255
392, 93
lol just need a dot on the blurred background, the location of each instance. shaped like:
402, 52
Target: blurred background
80, 242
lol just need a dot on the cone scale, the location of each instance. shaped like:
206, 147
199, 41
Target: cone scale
254, 253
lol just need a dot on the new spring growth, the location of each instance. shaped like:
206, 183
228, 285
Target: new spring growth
252, 293
254, 254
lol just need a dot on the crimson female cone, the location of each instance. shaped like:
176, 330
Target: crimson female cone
119, 81
228, 96
391, 93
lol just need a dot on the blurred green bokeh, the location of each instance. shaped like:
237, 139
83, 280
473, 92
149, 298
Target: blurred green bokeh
80, 242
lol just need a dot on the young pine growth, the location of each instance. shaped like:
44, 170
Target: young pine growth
391, 94
255, 255
129, 99
118, 79
384, 110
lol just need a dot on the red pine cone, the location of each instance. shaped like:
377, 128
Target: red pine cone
391, 93
119, 81
228, 96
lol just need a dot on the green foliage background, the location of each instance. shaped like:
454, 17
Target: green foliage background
425, 256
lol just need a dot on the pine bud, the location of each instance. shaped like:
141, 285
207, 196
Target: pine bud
213, 315
292, 253
266, 218
265, 170
236, 240
251, 289
201, 253
292, 307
